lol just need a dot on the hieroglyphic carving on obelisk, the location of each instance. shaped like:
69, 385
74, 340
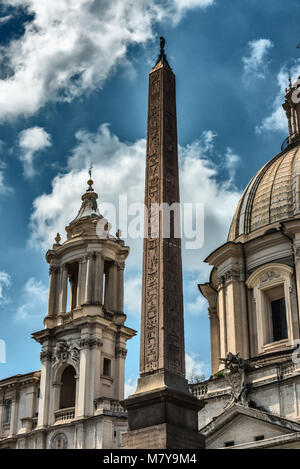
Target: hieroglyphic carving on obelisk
162, 330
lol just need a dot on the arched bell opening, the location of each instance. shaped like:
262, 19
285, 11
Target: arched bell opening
68, 388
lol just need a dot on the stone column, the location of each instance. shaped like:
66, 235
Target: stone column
89, 280
63, 293
297, 268
2, 411
113, 276
54, 400
222, 320
98, 286
106, 291
287, 109
52, 291
119, 377
294, 121
29, 406
120, 295
14, 413
84, 374
236, 315
80, 281
70, 286
95, 344
214, 339
110, 297
46, 356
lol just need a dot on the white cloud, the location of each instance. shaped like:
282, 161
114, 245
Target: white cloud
119, 169
33, 300
194, 365
197, 306
133, 292
5, 19
277, 120
193, 3
130, 387
2, 185
232, 162
32, 141
59, 58
255, 65
5, 283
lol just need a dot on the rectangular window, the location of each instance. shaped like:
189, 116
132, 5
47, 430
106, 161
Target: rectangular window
7, 412
106, 367
279, 320
259, 438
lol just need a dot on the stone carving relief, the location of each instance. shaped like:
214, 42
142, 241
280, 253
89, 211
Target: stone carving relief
121, 352
90, 342
162, 287
271, 275
45, 355
65, 352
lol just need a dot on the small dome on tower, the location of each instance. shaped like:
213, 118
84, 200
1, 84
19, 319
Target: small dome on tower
88, 214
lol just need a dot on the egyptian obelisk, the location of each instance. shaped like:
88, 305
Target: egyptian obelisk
162, 413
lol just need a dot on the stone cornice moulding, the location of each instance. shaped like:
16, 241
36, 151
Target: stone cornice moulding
265, 241
225, 252
106, 324
93, 243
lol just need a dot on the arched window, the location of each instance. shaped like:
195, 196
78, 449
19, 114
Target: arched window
60, 441
68, 388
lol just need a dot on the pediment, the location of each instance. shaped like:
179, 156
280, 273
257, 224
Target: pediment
240, 424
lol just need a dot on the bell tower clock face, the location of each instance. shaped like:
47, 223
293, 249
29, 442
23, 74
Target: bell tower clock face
60, 441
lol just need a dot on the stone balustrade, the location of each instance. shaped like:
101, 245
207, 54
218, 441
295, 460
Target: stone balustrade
65, 414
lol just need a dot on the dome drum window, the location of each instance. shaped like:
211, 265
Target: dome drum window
272, 287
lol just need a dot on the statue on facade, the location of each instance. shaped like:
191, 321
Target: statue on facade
235, 371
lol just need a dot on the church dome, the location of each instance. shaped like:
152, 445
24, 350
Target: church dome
273, 195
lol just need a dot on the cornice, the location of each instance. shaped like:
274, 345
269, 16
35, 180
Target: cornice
224, 252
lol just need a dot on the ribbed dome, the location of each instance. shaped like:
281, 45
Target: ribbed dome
272, 195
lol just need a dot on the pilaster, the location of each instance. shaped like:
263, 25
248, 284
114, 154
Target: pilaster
120, 293
2, 411
46, 357
63, 289
14, 413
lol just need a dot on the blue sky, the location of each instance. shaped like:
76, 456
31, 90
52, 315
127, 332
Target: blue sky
73, 88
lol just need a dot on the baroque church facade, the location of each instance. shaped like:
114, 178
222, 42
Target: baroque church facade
252, 399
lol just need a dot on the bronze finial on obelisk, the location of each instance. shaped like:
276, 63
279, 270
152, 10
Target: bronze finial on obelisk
162, 413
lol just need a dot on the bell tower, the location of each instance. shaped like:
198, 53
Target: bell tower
84, 339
